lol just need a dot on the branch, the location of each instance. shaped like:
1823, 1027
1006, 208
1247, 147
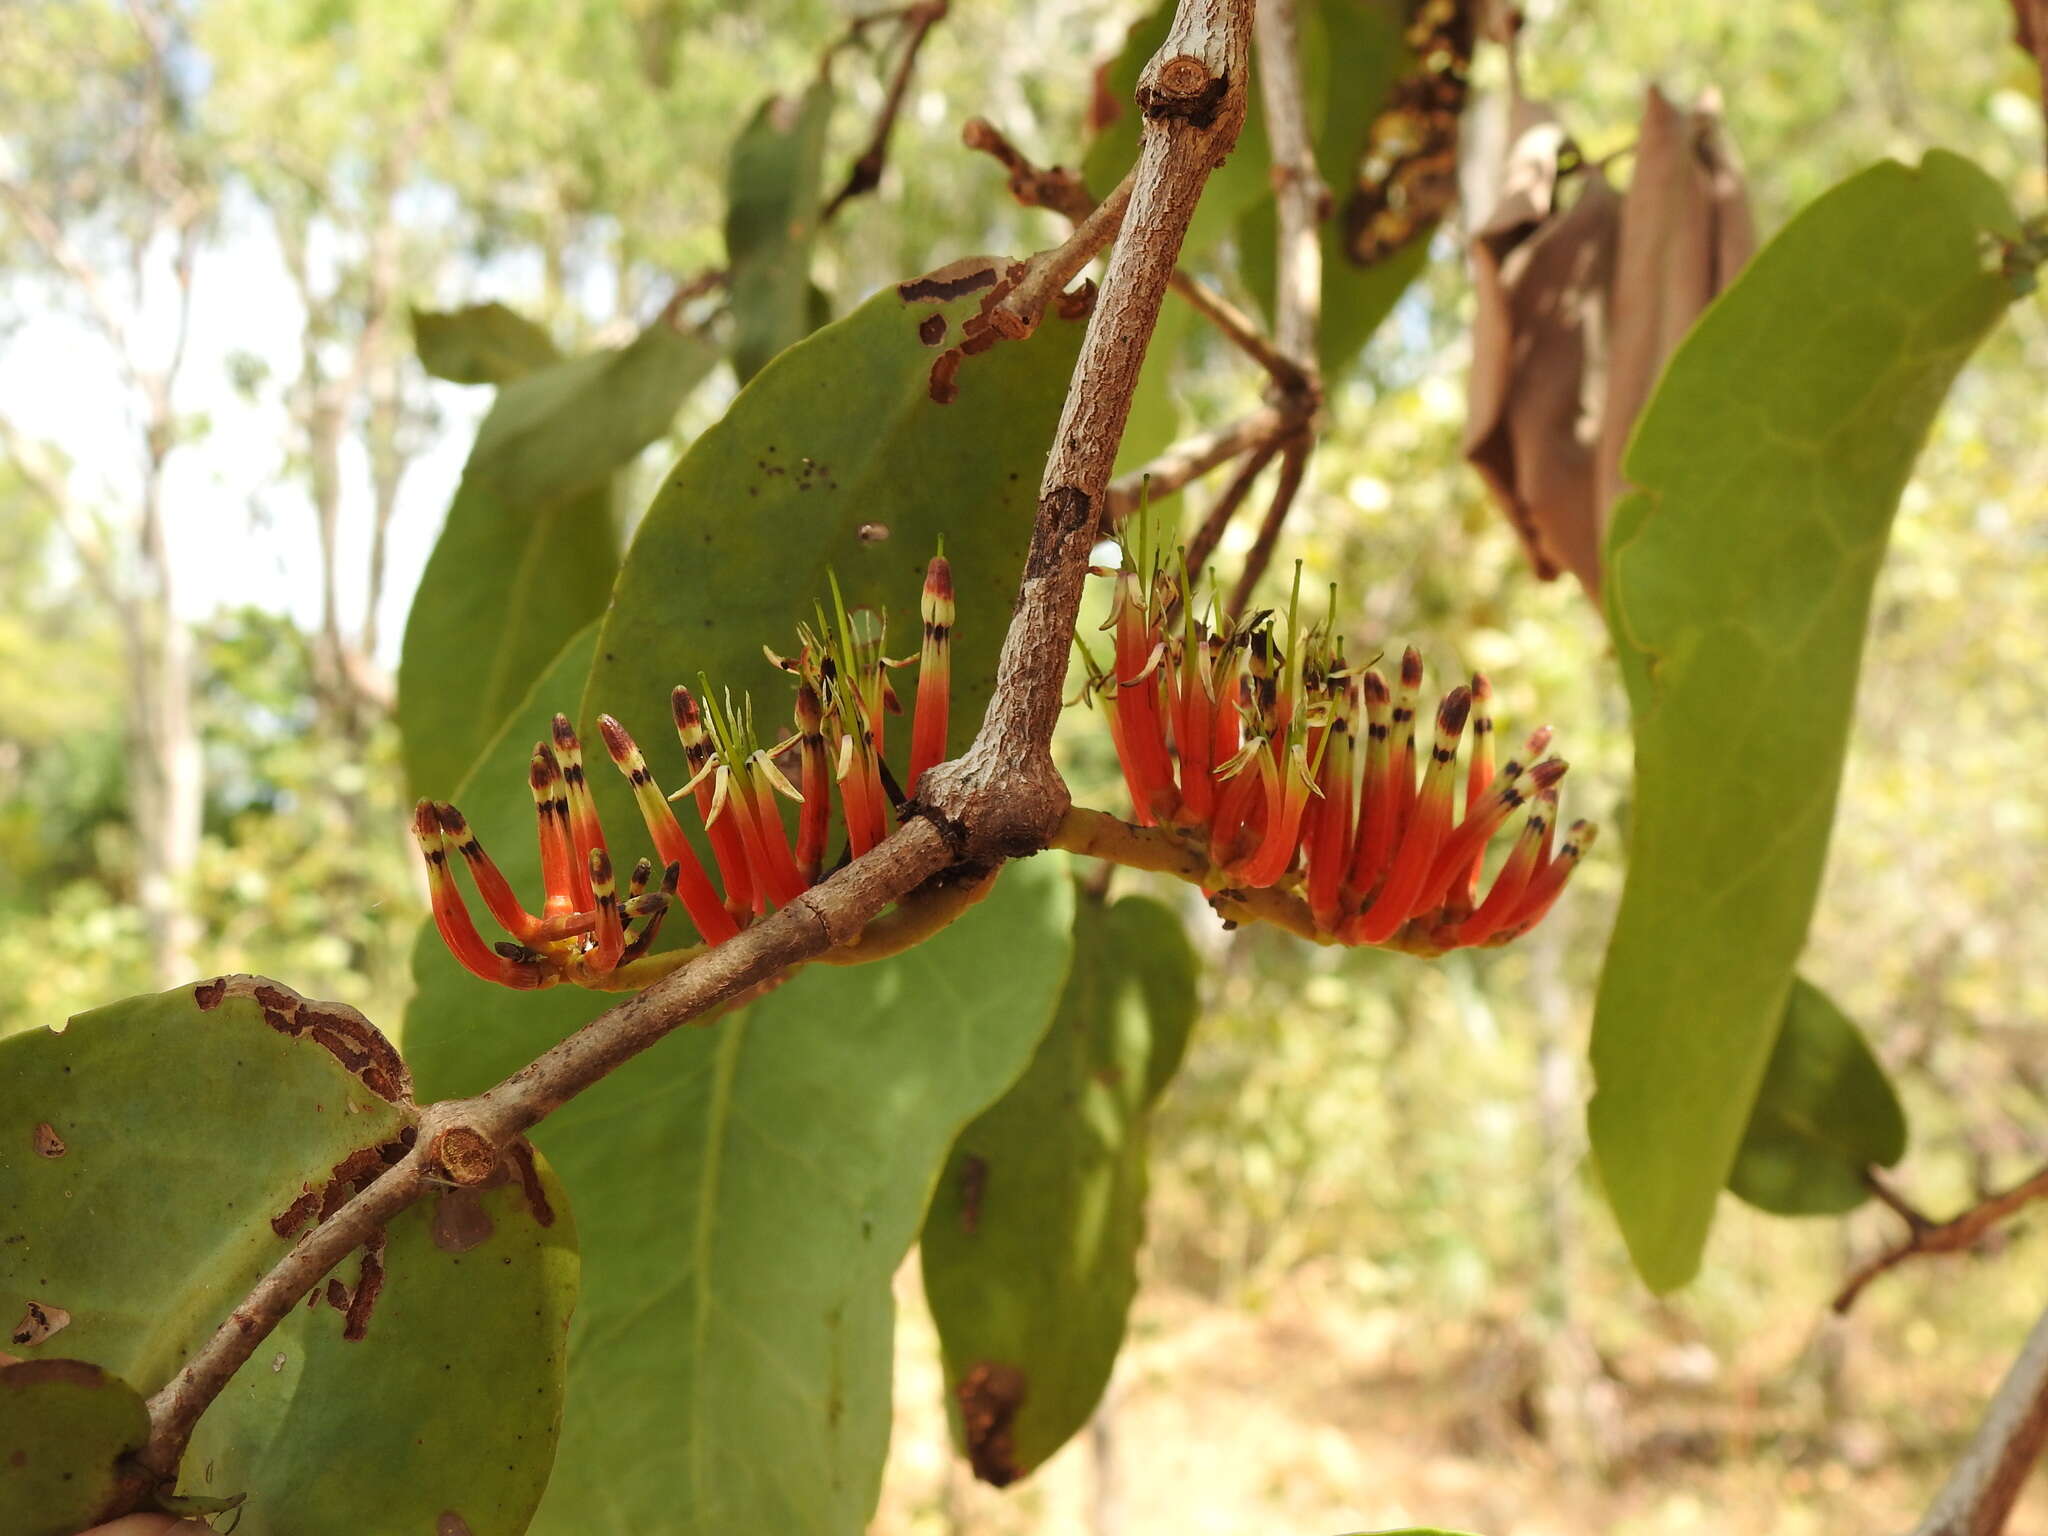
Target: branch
1293, 465
1301, 199
1986, 1483
1194, 457
1210, 534
866, 175
1062, 191
1047, 274
1003, 799
1952, 1236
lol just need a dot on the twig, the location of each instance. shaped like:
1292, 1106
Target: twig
1952, 1236
1980, 1493
1047, 274
1003, 799
917, 22
1163, 851
1054, 187
1241, 330
1301, 199
1293, 465
1194, 457
1210, 534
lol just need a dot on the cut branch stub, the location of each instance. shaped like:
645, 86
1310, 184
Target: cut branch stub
207, 1131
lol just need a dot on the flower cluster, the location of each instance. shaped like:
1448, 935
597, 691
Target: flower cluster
586, 932
1242, 736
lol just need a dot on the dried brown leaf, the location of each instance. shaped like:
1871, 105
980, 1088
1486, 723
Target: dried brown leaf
1686, 230
1542, 263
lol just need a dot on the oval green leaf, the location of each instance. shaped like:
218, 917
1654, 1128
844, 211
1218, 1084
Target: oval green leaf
1771, 460
771, 222
1825, 1115
1030, 1249
63, 1426
482, 344
155, 1154
530, 547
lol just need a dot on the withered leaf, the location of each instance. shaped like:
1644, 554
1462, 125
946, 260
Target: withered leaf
1542, 263
1686, 230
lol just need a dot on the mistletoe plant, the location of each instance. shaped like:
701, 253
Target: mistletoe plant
494, 1271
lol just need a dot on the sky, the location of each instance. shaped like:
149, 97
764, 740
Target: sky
240, 522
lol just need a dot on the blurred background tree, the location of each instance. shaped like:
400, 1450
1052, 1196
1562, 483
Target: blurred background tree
1379, 1285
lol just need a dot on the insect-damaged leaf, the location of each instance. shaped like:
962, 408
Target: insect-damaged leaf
63, 1426
483, 344
203, 1129
1030, 1248
1541, 264
1385, 126
1825, 1114
771, 222
1771, 459
530, 547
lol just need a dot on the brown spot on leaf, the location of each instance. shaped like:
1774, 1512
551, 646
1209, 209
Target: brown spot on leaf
973, 1181
287, 1222
931, 330
956, 279
18, 1459
338, 1296
460, 1221
521, 1153
38, 1323
368, 1285
990, 1395
873, 533
209, 993
451, 1524
75, 1373
48, 1143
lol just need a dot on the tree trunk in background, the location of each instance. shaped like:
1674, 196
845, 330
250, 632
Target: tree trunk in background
165, 773
1580, 1404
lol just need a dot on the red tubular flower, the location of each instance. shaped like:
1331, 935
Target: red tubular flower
1493, 913
1140, 652
1548, 883
1401, 767
815, 821
699, 897
727, 850
551, 807
451, 916
1379, 809
1327, 841
602, 957
934, 671
1397, 900
585, 835
1479, 773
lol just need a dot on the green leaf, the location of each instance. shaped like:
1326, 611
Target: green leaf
839, 435
530, 547
771, 222
152, 1155
1357, 44
1030, 1248
63, 1426
1825, 1114
483, 344
1771, 459
744, 1195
